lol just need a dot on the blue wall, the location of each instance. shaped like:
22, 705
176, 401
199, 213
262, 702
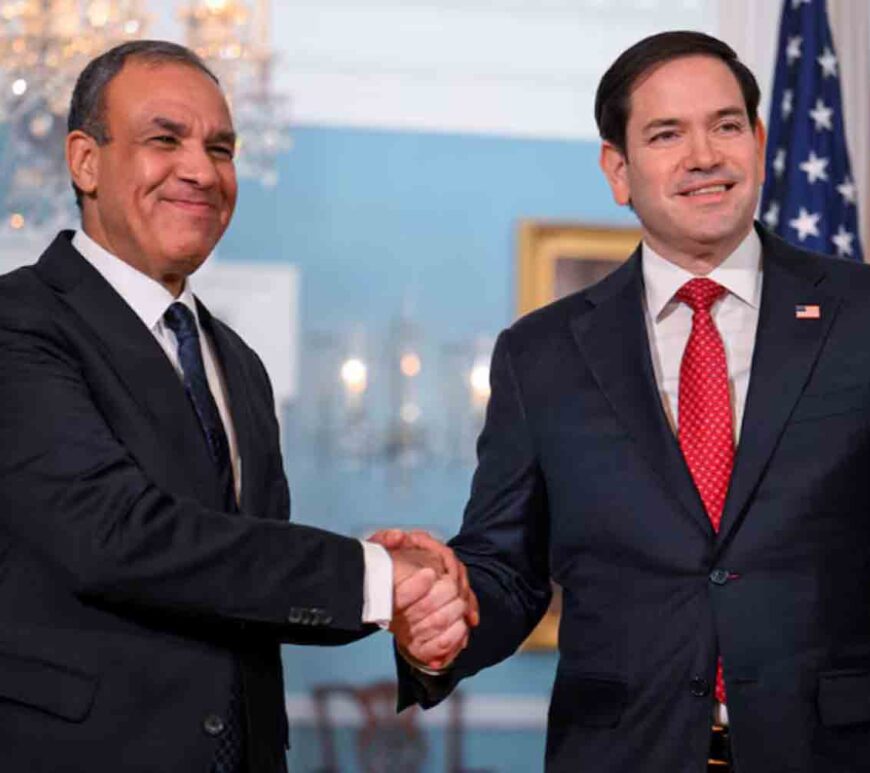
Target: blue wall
369, 215
373, 219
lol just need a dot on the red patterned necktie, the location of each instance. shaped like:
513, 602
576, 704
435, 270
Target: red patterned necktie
706, 432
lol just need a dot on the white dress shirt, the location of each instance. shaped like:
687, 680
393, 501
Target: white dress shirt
149, 300
669, 322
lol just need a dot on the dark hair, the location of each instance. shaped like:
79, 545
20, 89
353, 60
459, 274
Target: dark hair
612, 100
87, 108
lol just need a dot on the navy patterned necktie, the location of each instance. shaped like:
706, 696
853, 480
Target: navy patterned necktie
229, 753
180, 320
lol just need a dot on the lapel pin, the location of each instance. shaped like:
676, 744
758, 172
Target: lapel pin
808, 311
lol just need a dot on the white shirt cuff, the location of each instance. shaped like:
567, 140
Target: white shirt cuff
377, 585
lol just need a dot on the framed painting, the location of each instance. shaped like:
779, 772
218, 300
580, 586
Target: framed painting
555, 260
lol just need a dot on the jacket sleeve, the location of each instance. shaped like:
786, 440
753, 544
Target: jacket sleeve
503, 540
72, 493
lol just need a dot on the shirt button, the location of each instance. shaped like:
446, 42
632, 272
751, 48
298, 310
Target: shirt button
699, 687
719, 576
213, 725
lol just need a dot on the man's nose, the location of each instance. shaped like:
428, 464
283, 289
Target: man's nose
703, 152
195, 165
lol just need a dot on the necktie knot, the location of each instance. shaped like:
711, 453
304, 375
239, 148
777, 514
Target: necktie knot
180, 320
700, 294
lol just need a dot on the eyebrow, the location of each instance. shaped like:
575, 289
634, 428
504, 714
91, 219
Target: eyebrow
667, 123
227, 136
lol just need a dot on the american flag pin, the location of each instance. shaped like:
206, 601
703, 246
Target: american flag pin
808, 311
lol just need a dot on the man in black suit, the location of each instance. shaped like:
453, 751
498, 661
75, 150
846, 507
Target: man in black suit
684, 448
147, 571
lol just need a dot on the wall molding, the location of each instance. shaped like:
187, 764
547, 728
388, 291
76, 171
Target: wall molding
483, 712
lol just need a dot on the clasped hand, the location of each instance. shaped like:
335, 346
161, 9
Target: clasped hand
434, 607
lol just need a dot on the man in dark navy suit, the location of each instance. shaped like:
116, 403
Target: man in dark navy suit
147, 570
684, 448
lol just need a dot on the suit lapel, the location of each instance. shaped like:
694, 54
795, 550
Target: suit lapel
614, 341
134, 355
786, 348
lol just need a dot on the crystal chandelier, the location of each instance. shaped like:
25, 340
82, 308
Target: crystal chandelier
233, 39
44, 44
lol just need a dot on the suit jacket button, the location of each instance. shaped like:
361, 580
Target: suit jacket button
213, 725
699, 687
720, 576
325, 619
295, 615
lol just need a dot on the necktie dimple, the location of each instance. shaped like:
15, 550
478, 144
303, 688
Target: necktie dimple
229, 753
706, 433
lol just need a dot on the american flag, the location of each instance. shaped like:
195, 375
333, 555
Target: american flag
808, 311
809, 195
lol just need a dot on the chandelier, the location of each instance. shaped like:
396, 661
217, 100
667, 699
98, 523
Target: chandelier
45, 44
233, 39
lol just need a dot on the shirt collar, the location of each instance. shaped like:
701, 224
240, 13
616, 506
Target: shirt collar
148, 298
739, 273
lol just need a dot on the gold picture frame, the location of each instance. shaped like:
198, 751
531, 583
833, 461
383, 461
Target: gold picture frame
544, 245
553, 260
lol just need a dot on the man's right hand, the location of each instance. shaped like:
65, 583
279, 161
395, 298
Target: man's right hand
433, 602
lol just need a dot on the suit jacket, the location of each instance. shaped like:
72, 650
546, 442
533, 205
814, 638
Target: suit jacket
581, 479
127, 597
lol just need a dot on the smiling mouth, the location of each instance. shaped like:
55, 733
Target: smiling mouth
709, 189
196, 208
190, 203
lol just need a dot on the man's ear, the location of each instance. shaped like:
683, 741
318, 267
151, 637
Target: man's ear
614, 165
761, 142
83, 160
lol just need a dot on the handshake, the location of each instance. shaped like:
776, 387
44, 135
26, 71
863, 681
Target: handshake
434, 607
